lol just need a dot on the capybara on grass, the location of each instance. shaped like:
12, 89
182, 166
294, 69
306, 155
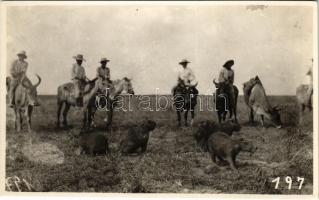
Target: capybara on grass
222, 146
208, 127
137, 137
93, 144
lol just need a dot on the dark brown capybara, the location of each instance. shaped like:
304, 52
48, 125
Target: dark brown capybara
137, 137
229, 127
208, 127
203, 131
93, 144
223, 147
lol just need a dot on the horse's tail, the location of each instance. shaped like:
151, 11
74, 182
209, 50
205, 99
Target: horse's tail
59, 95
236, 92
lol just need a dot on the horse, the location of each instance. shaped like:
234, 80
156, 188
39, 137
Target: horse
25, 98
223, 103
304, 95
65, 96
118, 86
257, 102
185, 99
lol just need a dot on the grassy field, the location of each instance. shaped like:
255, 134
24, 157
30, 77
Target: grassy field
47, 157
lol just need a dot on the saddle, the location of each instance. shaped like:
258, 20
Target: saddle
70, 86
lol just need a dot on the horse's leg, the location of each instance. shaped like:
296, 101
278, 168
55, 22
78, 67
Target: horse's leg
21, 119
65, 114
301, 110
110, 119
224, 114
230, 111
60, 104
85, 113
251, 116
235, 113
185, 117
93, 111
27, 119
178, 117
18, 120
89, 115
219, 116
193, 116
30, 113
262, 120
310, 107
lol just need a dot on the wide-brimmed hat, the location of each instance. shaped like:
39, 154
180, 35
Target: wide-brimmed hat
104, 60
184, 61
229, 63
79, 57
22, 53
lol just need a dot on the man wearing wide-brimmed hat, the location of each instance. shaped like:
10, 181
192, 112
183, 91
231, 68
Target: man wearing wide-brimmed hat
226, 76
186, 76
78, 78
18, 73
103, 71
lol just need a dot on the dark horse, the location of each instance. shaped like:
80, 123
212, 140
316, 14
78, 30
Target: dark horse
185, 99
223, 103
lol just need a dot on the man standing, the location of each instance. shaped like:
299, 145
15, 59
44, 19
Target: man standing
226, 76
18, 73
187, 76
78, 78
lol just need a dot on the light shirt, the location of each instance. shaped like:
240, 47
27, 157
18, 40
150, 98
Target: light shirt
226, 76
78, 71
103, 72
18, 68
187, 75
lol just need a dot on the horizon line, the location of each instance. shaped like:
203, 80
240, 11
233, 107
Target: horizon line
172, 94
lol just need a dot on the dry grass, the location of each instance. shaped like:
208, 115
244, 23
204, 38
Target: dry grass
172, 163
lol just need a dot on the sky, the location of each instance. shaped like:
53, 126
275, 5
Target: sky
146, 43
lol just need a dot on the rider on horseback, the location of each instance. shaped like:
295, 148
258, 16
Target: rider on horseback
79, 79
186, 78
103, 72
226, 80
18, 73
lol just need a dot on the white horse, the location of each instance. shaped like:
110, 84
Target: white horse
118, 86
91, 90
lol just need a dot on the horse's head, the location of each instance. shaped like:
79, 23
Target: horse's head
32, 91
220, 87
180, 83
127, 85
8, 81
253, 81
102, 84
248, 86
275, 115
180, 88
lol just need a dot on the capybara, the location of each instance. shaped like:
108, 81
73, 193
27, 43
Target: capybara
223, 147
229, 127
203, 131
208, 127
137, 137
93, 144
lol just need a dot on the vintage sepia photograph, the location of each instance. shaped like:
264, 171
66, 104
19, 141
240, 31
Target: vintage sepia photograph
160, 97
